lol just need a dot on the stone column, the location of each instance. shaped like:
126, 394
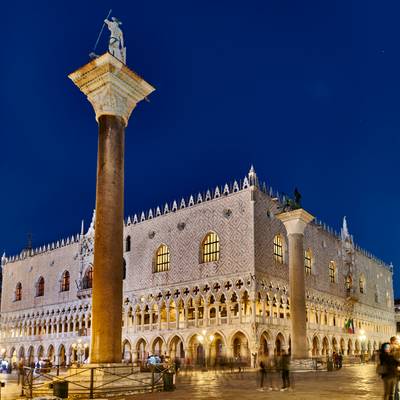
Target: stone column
113, 90
196, 316
228, 312
168, 316
295, 223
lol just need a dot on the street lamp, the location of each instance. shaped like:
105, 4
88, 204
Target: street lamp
207, 340
362, 338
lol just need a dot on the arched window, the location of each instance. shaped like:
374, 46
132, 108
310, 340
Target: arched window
210, 248
40, 287
87, 281
65, 282
18, 292
162, 259
278, 249
349, 282
332, 272
376, 294
123, 269
128, 243
388, 300
307, 261
362, 284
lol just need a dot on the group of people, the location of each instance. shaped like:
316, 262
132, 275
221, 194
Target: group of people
271, 367
337, 359
389, 368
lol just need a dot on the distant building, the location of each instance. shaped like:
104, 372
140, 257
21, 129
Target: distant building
397, 314
205, 278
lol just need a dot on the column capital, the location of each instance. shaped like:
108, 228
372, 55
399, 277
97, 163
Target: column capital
295, 221
110, 86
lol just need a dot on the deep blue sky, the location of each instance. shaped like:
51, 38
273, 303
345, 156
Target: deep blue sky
308, 91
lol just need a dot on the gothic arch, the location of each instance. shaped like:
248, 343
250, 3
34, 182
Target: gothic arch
158, 346
315, 351
21, 353
126, 351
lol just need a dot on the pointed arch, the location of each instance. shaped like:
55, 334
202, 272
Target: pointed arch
127, 351
87, 281
40, 287
18, 292
65, 281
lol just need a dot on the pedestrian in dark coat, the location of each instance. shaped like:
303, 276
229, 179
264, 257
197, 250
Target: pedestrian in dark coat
388, 370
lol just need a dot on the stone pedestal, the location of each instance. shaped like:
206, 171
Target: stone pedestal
295, 222
113, 90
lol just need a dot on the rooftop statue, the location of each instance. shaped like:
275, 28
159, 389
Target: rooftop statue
116, 42
295, 204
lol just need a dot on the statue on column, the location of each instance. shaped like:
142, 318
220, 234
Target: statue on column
291, 205
116, 42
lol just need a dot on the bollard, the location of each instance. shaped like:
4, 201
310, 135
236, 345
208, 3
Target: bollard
91, 383
2, 384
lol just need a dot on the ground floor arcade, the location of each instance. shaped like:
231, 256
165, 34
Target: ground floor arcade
194, 347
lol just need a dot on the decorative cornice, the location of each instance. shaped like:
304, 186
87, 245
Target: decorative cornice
110, 86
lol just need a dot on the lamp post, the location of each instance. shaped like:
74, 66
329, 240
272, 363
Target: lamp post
362, 338
207, 341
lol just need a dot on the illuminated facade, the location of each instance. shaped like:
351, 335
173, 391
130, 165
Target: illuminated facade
205, 278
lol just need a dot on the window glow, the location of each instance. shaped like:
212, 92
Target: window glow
332, 272
18, 292
65, 282
278, 249
210, 248
162, 259
307, 261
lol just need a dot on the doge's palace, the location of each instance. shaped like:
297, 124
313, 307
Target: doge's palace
205, 280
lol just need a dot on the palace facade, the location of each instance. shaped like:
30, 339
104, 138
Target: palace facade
205, 278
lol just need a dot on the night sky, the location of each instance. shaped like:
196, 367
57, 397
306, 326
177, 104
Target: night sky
307, 91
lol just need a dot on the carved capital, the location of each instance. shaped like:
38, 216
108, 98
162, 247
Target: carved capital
295, 221
110, 86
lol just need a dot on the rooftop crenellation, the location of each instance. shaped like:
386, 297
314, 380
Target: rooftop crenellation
227, 189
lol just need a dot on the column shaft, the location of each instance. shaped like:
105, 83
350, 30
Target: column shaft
297, 296
108, 247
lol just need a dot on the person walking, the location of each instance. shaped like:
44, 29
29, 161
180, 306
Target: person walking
340, 360
20, 372
395, 351
263, 375
387, 369
285, 368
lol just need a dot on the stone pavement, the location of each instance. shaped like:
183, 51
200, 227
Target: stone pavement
353, 382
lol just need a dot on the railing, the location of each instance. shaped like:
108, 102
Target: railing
94, 382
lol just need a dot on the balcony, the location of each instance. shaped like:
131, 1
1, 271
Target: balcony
84, 293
